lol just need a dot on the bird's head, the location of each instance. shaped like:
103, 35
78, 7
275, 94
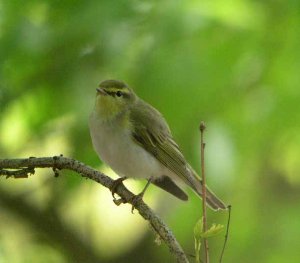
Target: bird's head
113, 97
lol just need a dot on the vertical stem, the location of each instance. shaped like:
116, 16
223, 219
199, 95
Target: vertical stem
227, 233
202, 128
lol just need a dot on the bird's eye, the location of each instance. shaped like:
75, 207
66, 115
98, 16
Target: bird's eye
119, 93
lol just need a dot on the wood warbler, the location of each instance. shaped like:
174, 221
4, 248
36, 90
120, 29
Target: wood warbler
134, 139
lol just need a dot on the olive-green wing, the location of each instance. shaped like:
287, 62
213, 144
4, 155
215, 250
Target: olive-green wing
151, 131
153, 134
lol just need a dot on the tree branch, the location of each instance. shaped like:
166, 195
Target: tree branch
21, 168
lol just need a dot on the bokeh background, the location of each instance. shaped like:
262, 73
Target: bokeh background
234, 64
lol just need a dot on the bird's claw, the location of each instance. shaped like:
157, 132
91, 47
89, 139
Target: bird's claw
119, 201
134, 200
114, 186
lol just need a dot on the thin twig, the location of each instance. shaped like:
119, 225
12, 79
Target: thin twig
202, 128
226, 234
12, 168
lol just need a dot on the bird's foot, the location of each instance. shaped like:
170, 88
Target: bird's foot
137, 198
134, 200
119, 201
113, 189
115, 184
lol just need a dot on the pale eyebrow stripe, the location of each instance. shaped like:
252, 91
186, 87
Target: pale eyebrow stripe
113, 93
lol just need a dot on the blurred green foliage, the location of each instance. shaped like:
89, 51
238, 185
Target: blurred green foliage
234, 64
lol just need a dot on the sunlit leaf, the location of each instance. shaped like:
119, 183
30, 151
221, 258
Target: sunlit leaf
214, 230
198, 229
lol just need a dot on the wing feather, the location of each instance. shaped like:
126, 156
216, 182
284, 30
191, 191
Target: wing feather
155, 137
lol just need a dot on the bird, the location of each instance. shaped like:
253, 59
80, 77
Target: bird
134, 139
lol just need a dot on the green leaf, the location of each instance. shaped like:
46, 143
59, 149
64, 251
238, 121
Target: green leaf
198, 229
213, 231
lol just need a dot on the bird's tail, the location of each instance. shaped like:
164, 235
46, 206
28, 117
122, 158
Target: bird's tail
212, 200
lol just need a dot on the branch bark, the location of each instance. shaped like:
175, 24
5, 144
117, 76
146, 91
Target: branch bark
21, 168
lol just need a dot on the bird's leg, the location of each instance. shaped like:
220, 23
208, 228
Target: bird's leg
115, 184
139, 197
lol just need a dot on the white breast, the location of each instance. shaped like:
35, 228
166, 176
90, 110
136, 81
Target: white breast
116, 148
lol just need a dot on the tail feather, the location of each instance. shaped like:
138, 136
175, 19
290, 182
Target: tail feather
165, 183
212, 200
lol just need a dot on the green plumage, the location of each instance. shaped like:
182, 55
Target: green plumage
156, 138
142, 127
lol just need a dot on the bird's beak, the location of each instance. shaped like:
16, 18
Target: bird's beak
101, 91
